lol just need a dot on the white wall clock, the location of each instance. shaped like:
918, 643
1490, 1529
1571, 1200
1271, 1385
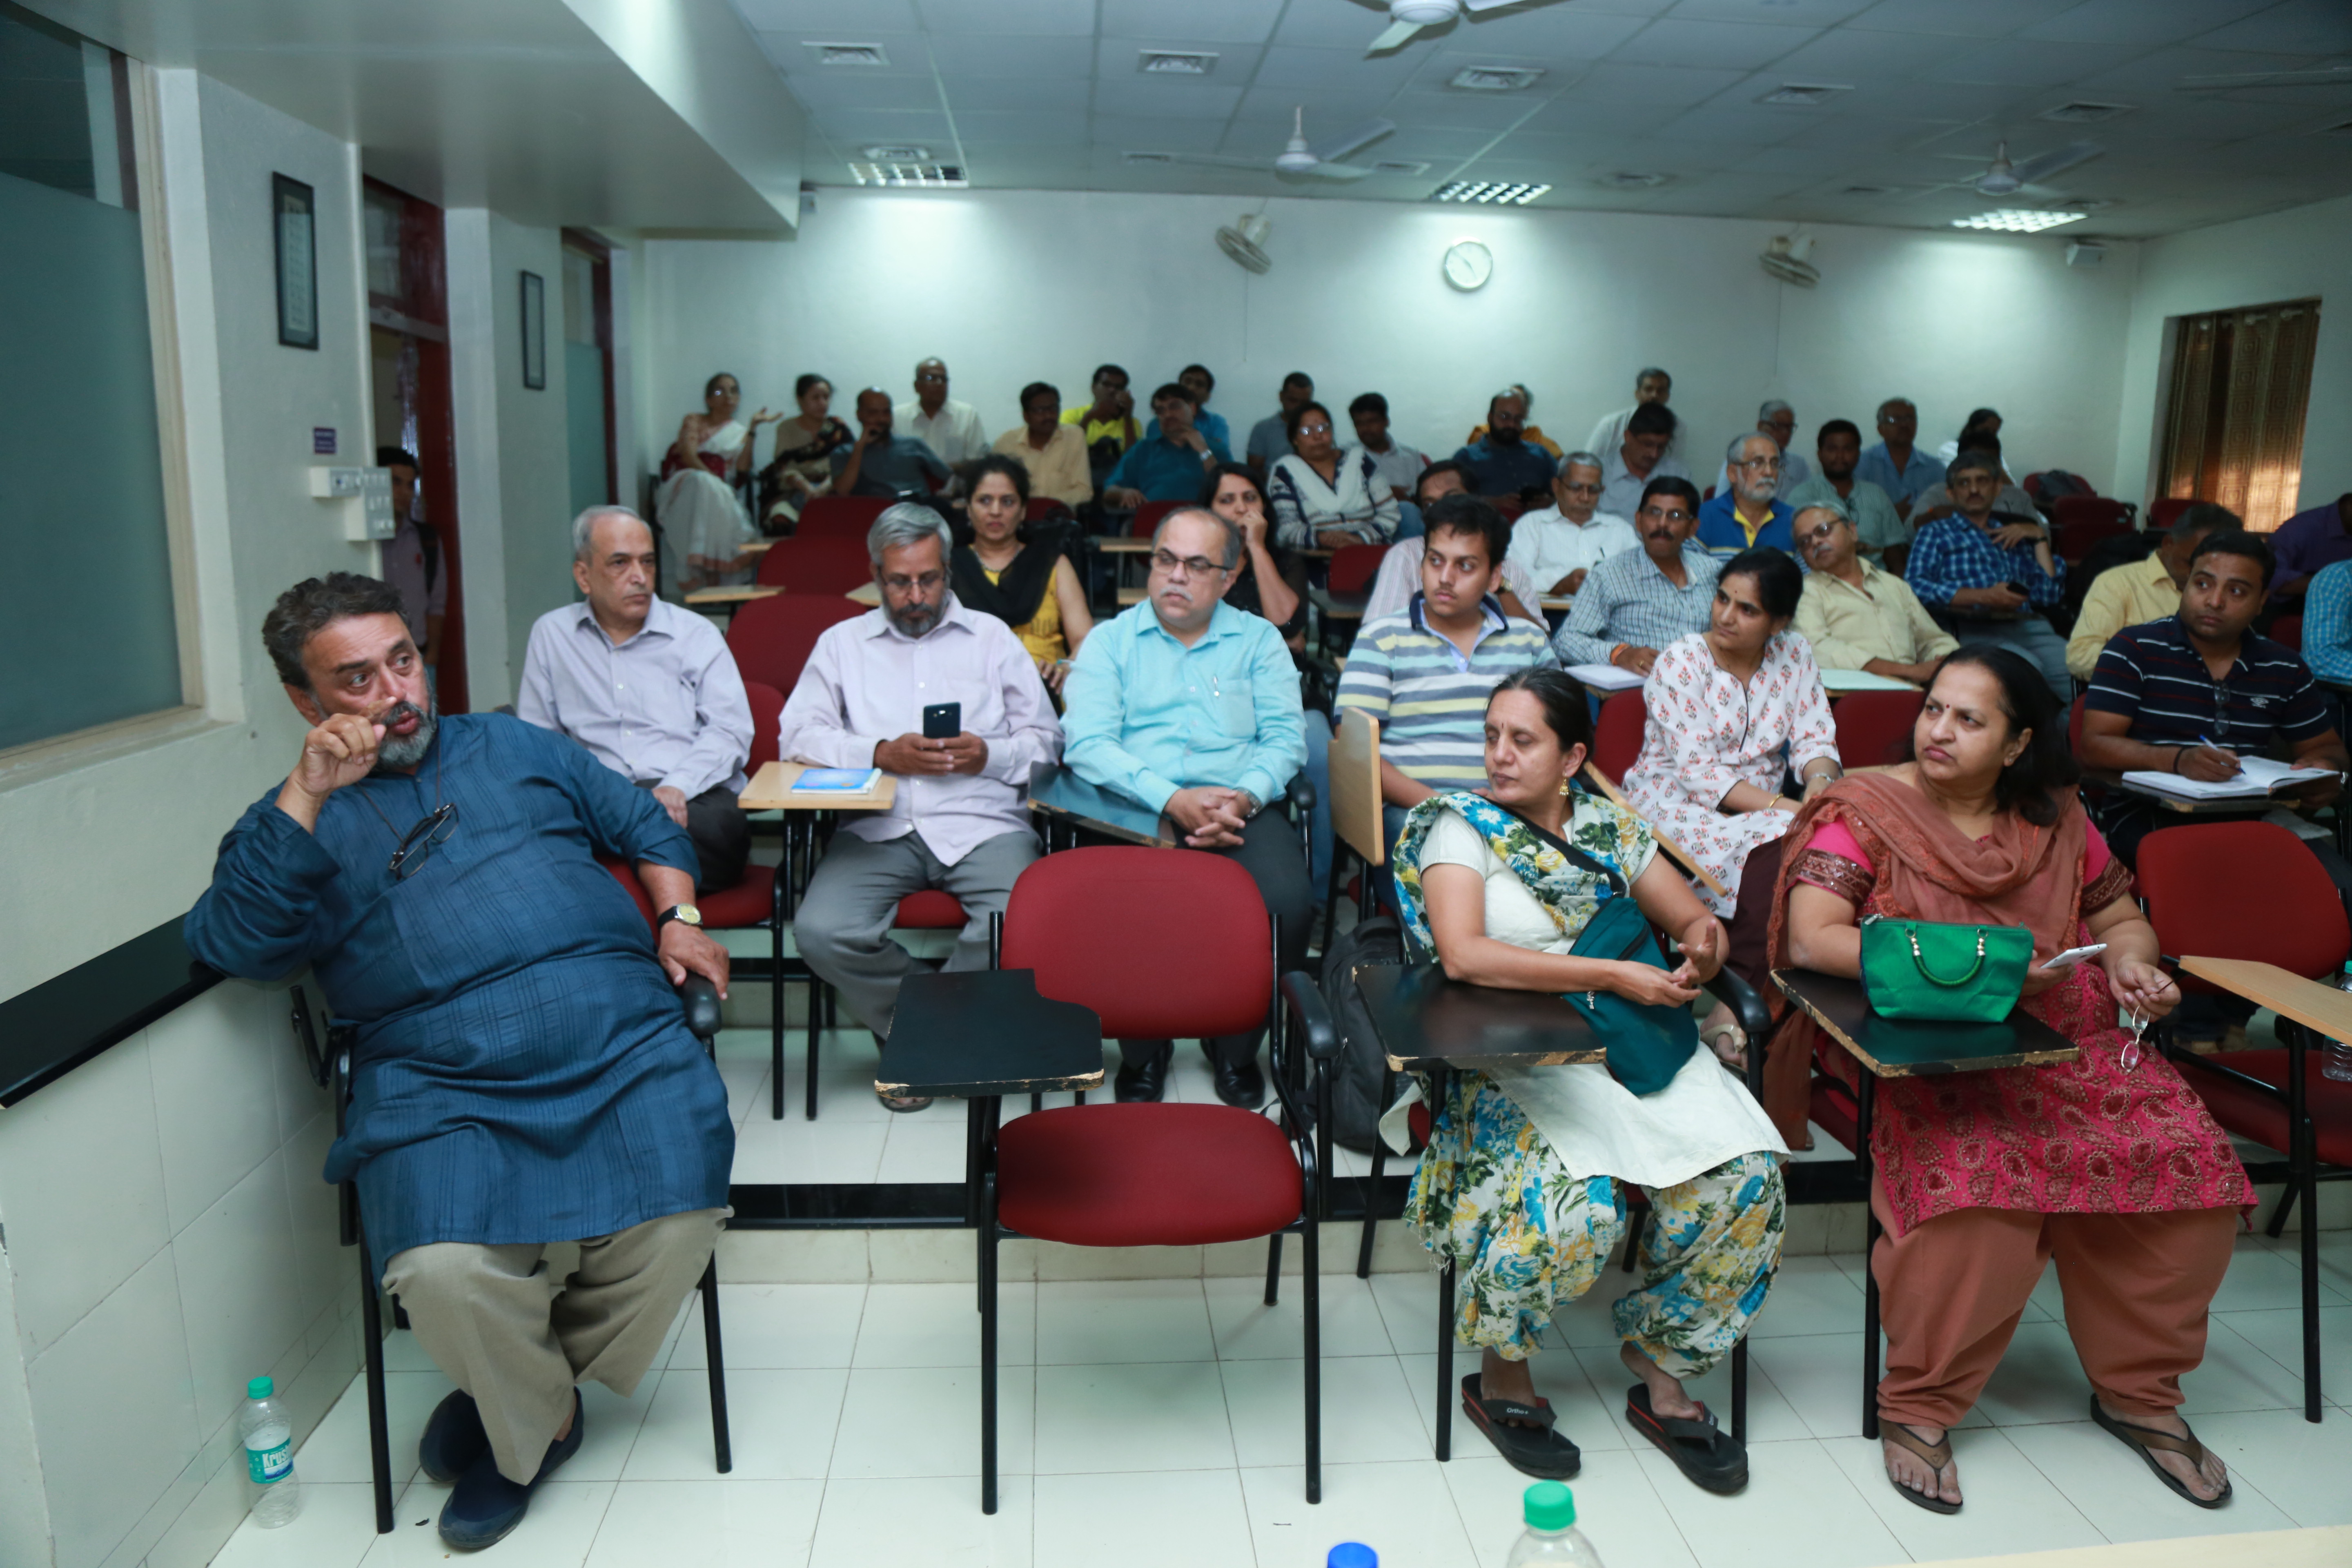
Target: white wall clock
1468, 264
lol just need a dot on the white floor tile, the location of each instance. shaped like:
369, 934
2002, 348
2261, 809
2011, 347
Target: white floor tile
924, 1147
1150, 1415
2264, 1276
2278, 1334
2011, 1505
337, 1449
1088, 1321
1408, 1304
2039, 1380
1798, 1510
783, 1423
335, 1530
2237, 1375
1401, 1511
1617, 1509
1368, 1412
1246, 1328
924, 1421
2114, 1490
1559, 1377
936, 1520
708, 1524
794, 1150
1155, 1518
556, 1534
2298, 1467
776, 1326
1809, 1296
1820, 1377
938, 1325
402, 1354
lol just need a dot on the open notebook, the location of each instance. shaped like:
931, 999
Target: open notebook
2257, 777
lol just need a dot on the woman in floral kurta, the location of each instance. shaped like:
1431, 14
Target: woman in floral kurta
1717, 744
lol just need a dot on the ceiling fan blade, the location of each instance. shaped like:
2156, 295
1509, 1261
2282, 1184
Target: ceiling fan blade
1218, 160
1370, 131
1340, 171
1396, 36
2036, 169
2326, 76
1495, 4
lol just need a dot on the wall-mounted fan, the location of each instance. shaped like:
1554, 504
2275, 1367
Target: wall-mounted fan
1298, 158
1785, 258
1245, 241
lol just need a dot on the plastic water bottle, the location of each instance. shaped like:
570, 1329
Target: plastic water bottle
2336, 1058
1352, 1554
268, 1434
1553, 1536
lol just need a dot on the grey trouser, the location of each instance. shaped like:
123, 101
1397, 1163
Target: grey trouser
843, 923
2031, 637
518, 1339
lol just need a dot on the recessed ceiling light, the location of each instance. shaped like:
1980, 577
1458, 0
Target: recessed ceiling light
1174, 62
1495, 78
2018, 220
1489, 193
1803, 94
2083, 111
848, 54
903, 154
1624, 180
930, 176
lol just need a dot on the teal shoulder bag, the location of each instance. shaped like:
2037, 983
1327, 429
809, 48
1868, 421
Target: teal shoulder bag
1951, 973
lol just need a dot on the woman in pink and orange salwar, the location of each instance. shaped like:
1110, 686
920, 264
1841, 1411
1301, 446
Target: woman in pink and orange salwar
2109, 1163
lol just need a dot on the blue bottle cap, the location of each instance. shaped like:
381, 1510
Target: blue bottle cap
260, 1388
1352, 1554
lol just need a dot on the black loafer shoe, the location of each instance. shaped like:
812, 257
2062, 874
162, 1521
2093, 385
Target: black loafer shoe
453, 1438
484, 1507
1145, 1081
1241, 1085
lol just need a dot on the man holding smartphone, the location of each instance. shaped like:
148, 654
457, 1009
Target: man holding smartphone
948, 700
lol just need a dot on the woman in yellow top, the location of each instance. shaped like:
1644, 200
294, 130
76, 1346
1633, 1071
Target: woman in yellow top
1015, 571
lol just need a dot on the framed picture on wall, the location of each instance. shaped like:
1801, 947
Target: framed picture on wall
534, 331
292, 209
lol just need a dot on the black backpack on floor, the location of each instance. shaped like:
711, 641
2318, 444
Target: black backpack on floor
1355, 1103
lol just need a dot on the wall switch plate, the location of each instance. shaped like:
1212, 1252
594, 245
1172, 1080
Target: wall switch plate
365, 497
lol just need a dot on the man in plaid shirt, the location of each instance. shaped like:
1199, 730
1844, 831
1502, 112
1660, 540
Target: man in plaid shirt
1992, 577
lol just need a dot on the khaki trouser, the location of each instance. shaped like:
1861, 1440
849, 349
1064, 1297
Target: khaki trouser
518, 1339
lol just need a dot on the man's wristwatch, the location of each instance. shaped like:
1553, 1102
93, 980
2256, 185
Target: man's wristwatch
685, 914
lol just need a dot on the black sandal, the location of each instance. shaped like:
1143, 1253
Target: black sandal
1938, 1456
2144, 1438
1712, 1458
1532, 1449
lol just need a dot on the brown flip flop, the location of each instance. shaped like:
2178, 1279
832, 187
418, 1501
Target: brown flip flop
2144, 1438
1937, 1455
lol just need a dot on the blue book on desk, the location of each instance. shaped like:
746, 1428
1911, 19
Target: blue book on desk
836, 780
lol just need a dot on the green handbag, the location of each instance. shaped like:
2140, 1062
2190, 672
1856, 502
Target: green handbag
1951, 973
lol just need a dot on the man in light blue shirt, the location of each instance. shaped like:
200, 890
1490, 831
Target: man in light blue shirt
1896, 465
1191, 708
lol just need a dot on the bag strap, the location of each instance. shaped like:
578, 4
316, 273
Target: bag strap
1618, 886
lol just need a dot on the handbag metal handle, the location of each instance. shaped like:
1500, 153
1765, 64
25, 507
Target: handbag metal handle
1920, 958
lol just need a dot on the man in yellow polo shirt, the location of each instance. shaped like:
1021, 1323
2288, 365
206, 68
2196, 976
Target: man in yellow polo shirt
2142, 591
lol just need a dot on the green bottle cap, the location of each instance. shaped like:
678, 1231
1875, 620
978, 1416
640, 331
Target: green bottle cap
1549, 1506
262, 1388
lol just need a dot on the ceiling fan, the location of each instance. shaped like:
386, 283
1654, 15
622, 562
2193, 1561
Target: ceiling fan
1407, 18
2003, 178
1298, 158
2324, 75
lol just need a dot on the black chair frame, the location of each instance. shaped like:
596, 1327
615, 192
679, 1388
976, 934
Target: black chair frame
331, 1069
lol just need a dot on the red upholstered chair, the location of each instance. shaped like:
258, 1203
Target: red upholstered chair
1617, 733
818, 565
2249, 889
2288, 632
1353, 569
1164, 1174
839, 517
1043, 507
1872, 725
2078, 523
2163, 514
772, 638
1147, 517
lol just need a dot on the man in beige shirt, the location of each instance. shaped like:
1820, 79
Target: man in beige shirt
1054, 453
1856, 615
2141, 591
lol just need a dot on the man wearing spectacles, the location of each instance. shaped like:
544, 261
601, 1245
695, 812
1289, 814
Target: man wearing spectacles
1558, 545
1638, 602
1856, 615
1896, 465
1191, 708
1779, 421
1879, 532
956, 823
1749, 513
949, 427
524, 1075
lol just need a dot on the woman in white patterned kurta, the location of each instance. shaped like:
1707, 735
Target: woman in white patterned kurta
1731, 709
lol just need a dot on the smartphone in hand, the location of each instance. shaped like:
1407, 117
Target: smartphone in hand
942, 721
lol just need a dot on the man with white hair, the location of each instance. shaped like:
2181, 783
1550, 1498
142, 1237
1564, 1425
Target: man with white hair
647, 688
957, 824
949, 427
1558, 545
1777, 420
1747, 512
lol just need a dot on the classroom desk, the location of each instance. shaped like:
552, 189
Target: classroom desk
1556, 602
866, 593
771, 789
731, 599
759, 547
1899, 1048
1069, 805
2185, 805
1338, 607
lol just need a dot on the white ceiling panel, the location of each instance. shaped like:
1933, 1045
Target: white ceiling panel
1128, 134
1850, 55
1469, 110
1169, 100
1787, 13
1118, 62
866, 89
2020, 62
1340, 70
853, 18
1614, 83
1326, 110
1027, 58
1574, 31
2312, 26
1751, 123
1220, 21
1724, 45
2140, 21
987, 125
1570, 114
907, 54
853, 127
1013, 92
1961, 18
1073, 18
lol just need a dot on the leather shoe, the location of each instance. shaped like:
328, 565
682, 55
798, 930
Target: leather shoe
1240, 1084
453, 1438
1145, 1081
484, 1507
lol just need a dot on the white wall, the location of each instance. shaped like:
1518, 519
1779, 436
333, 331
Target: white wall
2302, 254
1012, 287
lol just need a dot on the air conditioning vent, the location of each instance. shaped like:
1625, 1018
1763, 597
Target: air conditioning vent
1174, 62
927, 176
848, 54
1803, 95
1497, 79
2084, 112
898, 154
1624, 180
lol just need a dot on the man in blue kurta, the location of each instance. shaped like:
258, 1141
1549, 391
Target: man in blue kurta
523, 1074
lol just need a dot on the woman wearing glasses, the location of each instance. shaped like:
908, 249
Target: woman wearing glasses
1323, 498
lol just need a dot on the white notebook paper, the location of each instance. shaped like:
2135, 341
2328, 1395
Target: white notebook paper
2257, 777
1605, 677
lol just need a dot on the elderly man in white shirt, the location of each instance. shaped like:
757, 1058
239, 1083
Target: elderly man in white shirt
958, 823
647, 688
951, 429
1557, 546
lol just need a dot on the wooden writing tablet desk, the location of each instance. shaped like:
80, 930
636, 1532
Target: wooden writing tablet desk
2190, 805
2307, 1002
771, 789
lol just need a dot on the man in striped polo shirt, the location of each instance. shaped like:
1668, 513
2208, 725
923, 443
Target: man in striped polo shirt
1425, 674
2189, 694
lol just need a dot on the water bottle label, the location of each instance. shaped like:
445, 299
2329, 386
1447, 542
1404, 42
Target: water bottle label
267, 1465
